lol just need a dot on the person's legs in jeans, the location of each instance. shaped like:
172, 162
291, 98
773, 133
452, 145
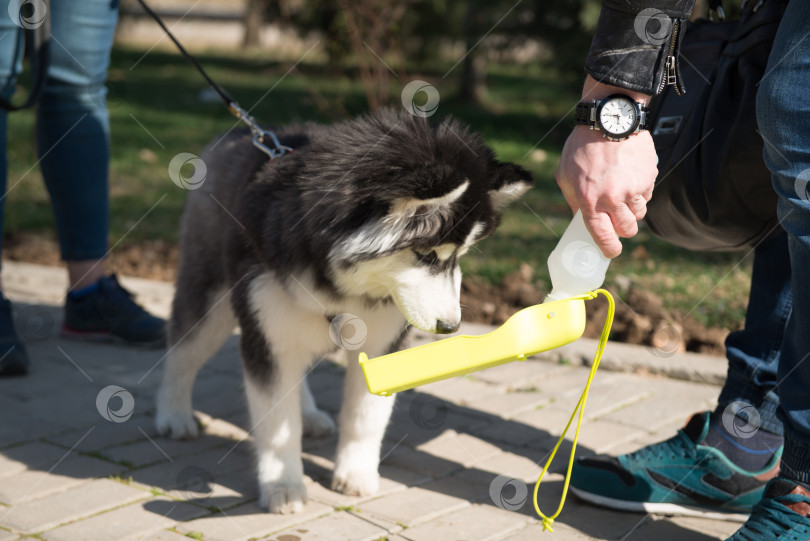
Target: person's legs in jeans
783, 114
74, 148
73, 132
13, 357
745, 426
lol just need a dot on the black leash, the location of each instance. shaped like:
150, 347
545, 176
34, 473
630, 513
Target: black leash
277, 149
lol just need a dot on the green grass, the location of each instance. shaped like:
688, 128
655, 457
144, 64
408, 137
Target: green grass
156, 113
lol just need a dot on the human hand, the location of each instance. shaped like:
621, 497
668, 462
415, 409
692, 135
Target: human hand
610, 181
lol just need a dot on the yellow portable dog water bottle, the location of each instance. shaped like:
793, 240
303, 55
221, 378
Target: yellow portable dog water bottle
576, 265
577, 268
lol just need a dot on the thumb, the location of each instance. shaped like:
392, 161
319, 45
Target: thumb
601, 229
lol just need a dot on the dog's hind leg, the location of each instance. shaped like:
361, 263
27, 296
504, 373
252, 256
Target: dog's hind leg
317, 423
196, 332
364, 416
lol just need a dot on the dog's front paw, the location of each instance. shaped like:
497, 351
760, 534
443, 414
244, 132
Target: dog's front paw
359, 482
318, 424
283, 497
176, 425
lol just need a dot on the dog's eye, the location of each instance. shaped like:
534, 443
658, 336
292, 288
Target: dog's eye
428, 258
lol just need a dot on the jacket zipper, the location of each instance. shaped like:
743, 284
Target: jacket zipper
670, 67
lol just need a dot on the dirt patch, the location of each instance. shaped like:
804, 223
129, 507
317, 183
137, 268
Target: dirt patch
640, 315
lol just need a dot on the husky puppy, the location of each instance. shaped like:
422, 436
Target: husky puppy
367, 217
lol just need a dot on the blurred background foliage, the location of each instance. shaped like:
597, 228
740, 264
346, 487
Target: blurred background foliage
512, 69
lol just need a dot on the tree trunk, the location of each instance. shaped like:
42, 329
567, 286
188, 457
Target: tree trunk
254, 18
473, 75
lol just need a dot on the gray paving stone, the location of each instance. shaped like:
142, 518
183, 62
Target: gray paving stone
29, 456
669, 400
392, 479
127, 523
108, 434
164, 535
509, 464
420, 462
534, 531
463, 449
715, 528
412, 506
463, 390
598, 437
212, 466
157, 450
70, 505
475, 523
12, 428
608, 393
72, 471
343, 526
249, 521
521, 373
8, 536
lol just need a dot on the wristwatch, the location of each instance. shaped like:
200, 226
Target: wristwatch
617, 116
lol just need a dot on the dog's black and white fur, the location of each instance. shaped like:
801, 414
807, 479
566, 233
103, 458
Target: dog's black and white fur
367, 217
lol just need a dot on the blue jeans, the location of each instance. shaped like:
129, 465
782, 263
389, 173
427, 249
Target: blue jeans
72, 122
783, 115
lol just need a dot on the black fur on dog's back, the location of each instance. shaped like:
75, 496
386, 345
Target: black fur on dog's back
351, 173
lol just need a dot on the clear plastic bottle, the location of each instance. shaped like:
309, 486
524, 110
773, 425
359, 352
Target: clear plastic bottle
576, 265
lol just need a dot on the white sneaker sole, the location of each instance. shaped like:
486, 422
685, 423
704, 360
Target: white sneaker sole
667, 509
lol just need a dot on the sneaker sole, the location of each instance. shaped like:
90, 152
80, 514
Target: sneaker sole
668, 509
107, 338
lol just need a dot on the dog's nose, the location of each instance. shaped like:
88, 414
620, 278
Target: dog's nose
446, 327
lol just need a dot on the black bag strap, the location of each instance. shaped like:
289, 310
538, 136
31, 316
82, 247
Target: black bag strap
37, 44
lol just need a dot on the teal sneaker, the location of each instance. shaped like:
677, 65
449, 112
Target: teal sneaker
678, 476
782, 515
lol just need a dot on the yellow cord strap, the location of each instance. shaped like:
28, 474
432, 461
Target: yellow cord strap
548, 521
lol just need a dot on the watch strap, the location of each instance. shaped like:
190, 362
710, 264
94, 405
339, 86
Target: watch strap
583, 112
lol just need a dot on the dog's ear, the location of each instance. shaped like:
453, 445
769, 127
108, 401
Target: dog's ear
409, 207
507, 183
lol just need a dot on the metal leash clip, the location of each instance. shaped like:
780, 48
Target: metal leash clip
277, 150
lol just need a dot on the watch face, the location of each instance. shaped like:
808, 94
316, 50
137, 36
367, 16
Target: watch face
617, 116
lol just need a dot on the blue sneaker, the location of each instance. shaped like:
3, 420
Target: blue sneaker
678, 476
13, 357
108, 313
782, 515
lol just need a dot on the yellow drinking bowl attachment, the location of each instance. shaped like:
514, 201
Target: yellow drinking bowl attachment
538, 328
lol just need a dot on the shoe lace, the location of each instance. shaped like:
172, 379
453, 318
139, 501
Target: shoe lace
772, 520
679, 446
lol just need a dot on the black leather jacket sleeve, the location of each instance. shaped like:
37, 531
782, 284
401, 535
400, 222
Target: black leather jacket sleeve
636, 44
